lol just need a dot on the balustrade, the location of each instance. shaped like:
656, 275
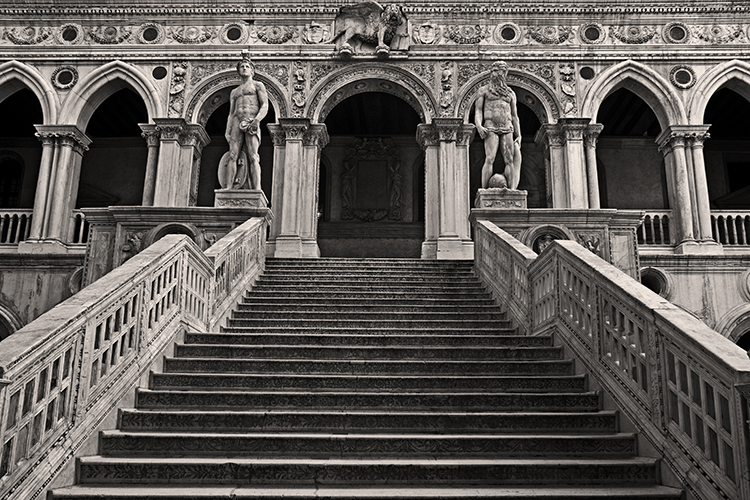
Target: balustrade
655, 229
79, 229
63, 373
682, 384
14, 226
731, 228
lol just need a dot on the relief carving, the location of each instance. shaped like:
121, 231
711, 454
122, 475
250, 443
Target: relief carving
299, 93
133, 244
315, 33
191, 34
276, 35
369, 23
568, 88
446, 86
109, 35
719, 34
177, 89
549, 35
426, 34
467, 35
27, 36
590, 242
632, 34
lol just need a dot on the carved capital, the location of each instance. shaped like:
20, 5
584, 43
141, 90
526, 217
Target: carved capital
170, 129
549, 136
674, 136
448, 128
150, 133
294, 128
316, 135
195, 135
278, 137
465, 135
591, 134
427, 135
64, 135
573, 128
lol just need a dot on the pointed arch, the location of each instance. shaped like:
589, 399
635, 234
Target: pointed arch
542, 102
15, 76
643, 82
214, 92
370, 77
101, 83
734, 74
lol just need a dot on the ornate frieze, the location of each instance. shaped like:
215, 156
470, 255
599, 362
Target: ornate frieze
299, 88
150, 34
427, 33
276, 35
319, 71
110, 35
467, 35
177, 88
315, 33
568, 88
468, 71
718, 34
544, 71
191, 34
632, 34
233, 33
507, 34
27, 36
549, 35
426, 72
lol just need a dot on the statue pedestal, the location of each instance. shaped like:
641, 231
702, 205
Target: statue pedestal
500, 198
233, 198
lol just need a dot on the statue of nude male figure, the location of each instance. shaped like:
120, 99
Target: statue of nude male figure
248, 105
496, 119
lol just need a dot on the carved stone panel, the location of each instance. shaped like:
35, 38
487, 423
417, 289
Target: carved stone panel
371, 181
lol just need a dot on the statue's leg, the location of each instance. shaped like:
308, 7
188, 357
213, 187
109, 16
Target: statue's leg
510, 173
490, 151
226, 177
252, 143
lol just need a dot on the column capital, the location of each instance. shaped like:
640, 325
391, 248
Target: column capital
591, 134
427, 135
195, 135
448, 128
170, 129
294, 128
316, 135
573, 128
150, 133
278, 137
677, 136
465, 135
549, 135
66, 135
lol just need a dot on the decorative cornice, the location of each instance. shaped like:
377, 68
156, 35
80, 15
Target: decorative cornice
65, 135
682, 135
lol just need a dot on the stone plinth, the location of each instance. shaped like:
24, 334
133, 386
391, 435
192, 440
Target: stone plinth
500, 198
240, 198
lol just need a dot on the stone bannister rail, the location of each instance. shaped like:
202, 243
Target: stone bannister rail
731, 228
14, 225
655, 228
63, 376
683, 385
79, 228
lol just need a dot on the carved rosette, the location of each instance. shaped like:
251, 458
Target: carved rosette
191, 34
467, 35
110, 35
150, 34
28, 35
549, 35
276, 35
632, 34
718, 34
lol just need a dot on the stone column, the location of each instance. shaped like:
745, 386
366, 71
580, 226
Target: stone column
672, 144
176, 172
446, 174
427, 137
575, 161
550, 137
696, 138
151, 134
289, 163
44, 187
313, 142
590, 138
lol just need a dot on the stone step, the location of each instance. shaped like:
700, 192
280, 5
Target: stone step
320, 445
342, 400
363, 315
363, 273
374, 277
369, 492
357, 307
361, 472
360, 296
361, 367
360, 383
445, 265
392, 352
447, 288
456, 324
337, 330
368, 340
600, 422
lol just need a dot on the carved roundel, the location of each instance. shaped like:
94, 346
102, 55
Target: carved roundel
150, 33
70, 34
507, 34
682, 77
592, 33
65, 77
676, 33
233, 33
657, 281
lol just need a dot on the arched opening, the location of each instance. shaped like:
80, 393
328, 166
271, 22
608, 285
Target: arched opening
532, 163
744, 341
114, 168
370, 182
20, 151
631, 168
216, 127
727, 152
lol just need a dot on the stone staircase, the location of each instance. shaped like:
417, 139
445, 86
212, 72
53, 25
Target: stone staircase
367, 379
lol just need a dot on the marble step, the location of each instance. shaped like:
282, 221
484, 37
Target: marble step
358, 307
370, 353
325, 314
446, 288
360, 296
360, 330
367, 421
361, 367
368, 492
362, 273
375, 279
368, 340
321, 444
343, 400
360, 383
360, 472
456, 324
369, 263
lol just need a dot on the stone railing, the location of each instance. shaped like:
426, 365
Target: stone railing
683, 385
63, 376
655, 228
79, 228
15, 225
731, 228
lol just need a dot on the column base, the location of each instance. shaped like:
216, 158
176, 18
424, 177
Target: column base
287, 247
500, 198
454, 248
240, 198
41, 247
692, 247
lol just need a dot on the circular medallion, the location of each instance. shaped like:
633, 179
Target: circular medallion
592, 33
70, 34
682, 77
507, 34
65, 77
676, 33
150, 33
233, 33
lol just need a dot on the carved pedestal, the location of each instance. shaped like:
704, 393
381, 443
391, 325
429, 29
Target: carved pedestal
500, 198
254, 198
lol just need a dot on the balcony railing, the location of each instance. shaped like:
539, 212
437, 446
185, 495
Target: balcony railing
14, 225
79, 229
655, 229
731, 228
